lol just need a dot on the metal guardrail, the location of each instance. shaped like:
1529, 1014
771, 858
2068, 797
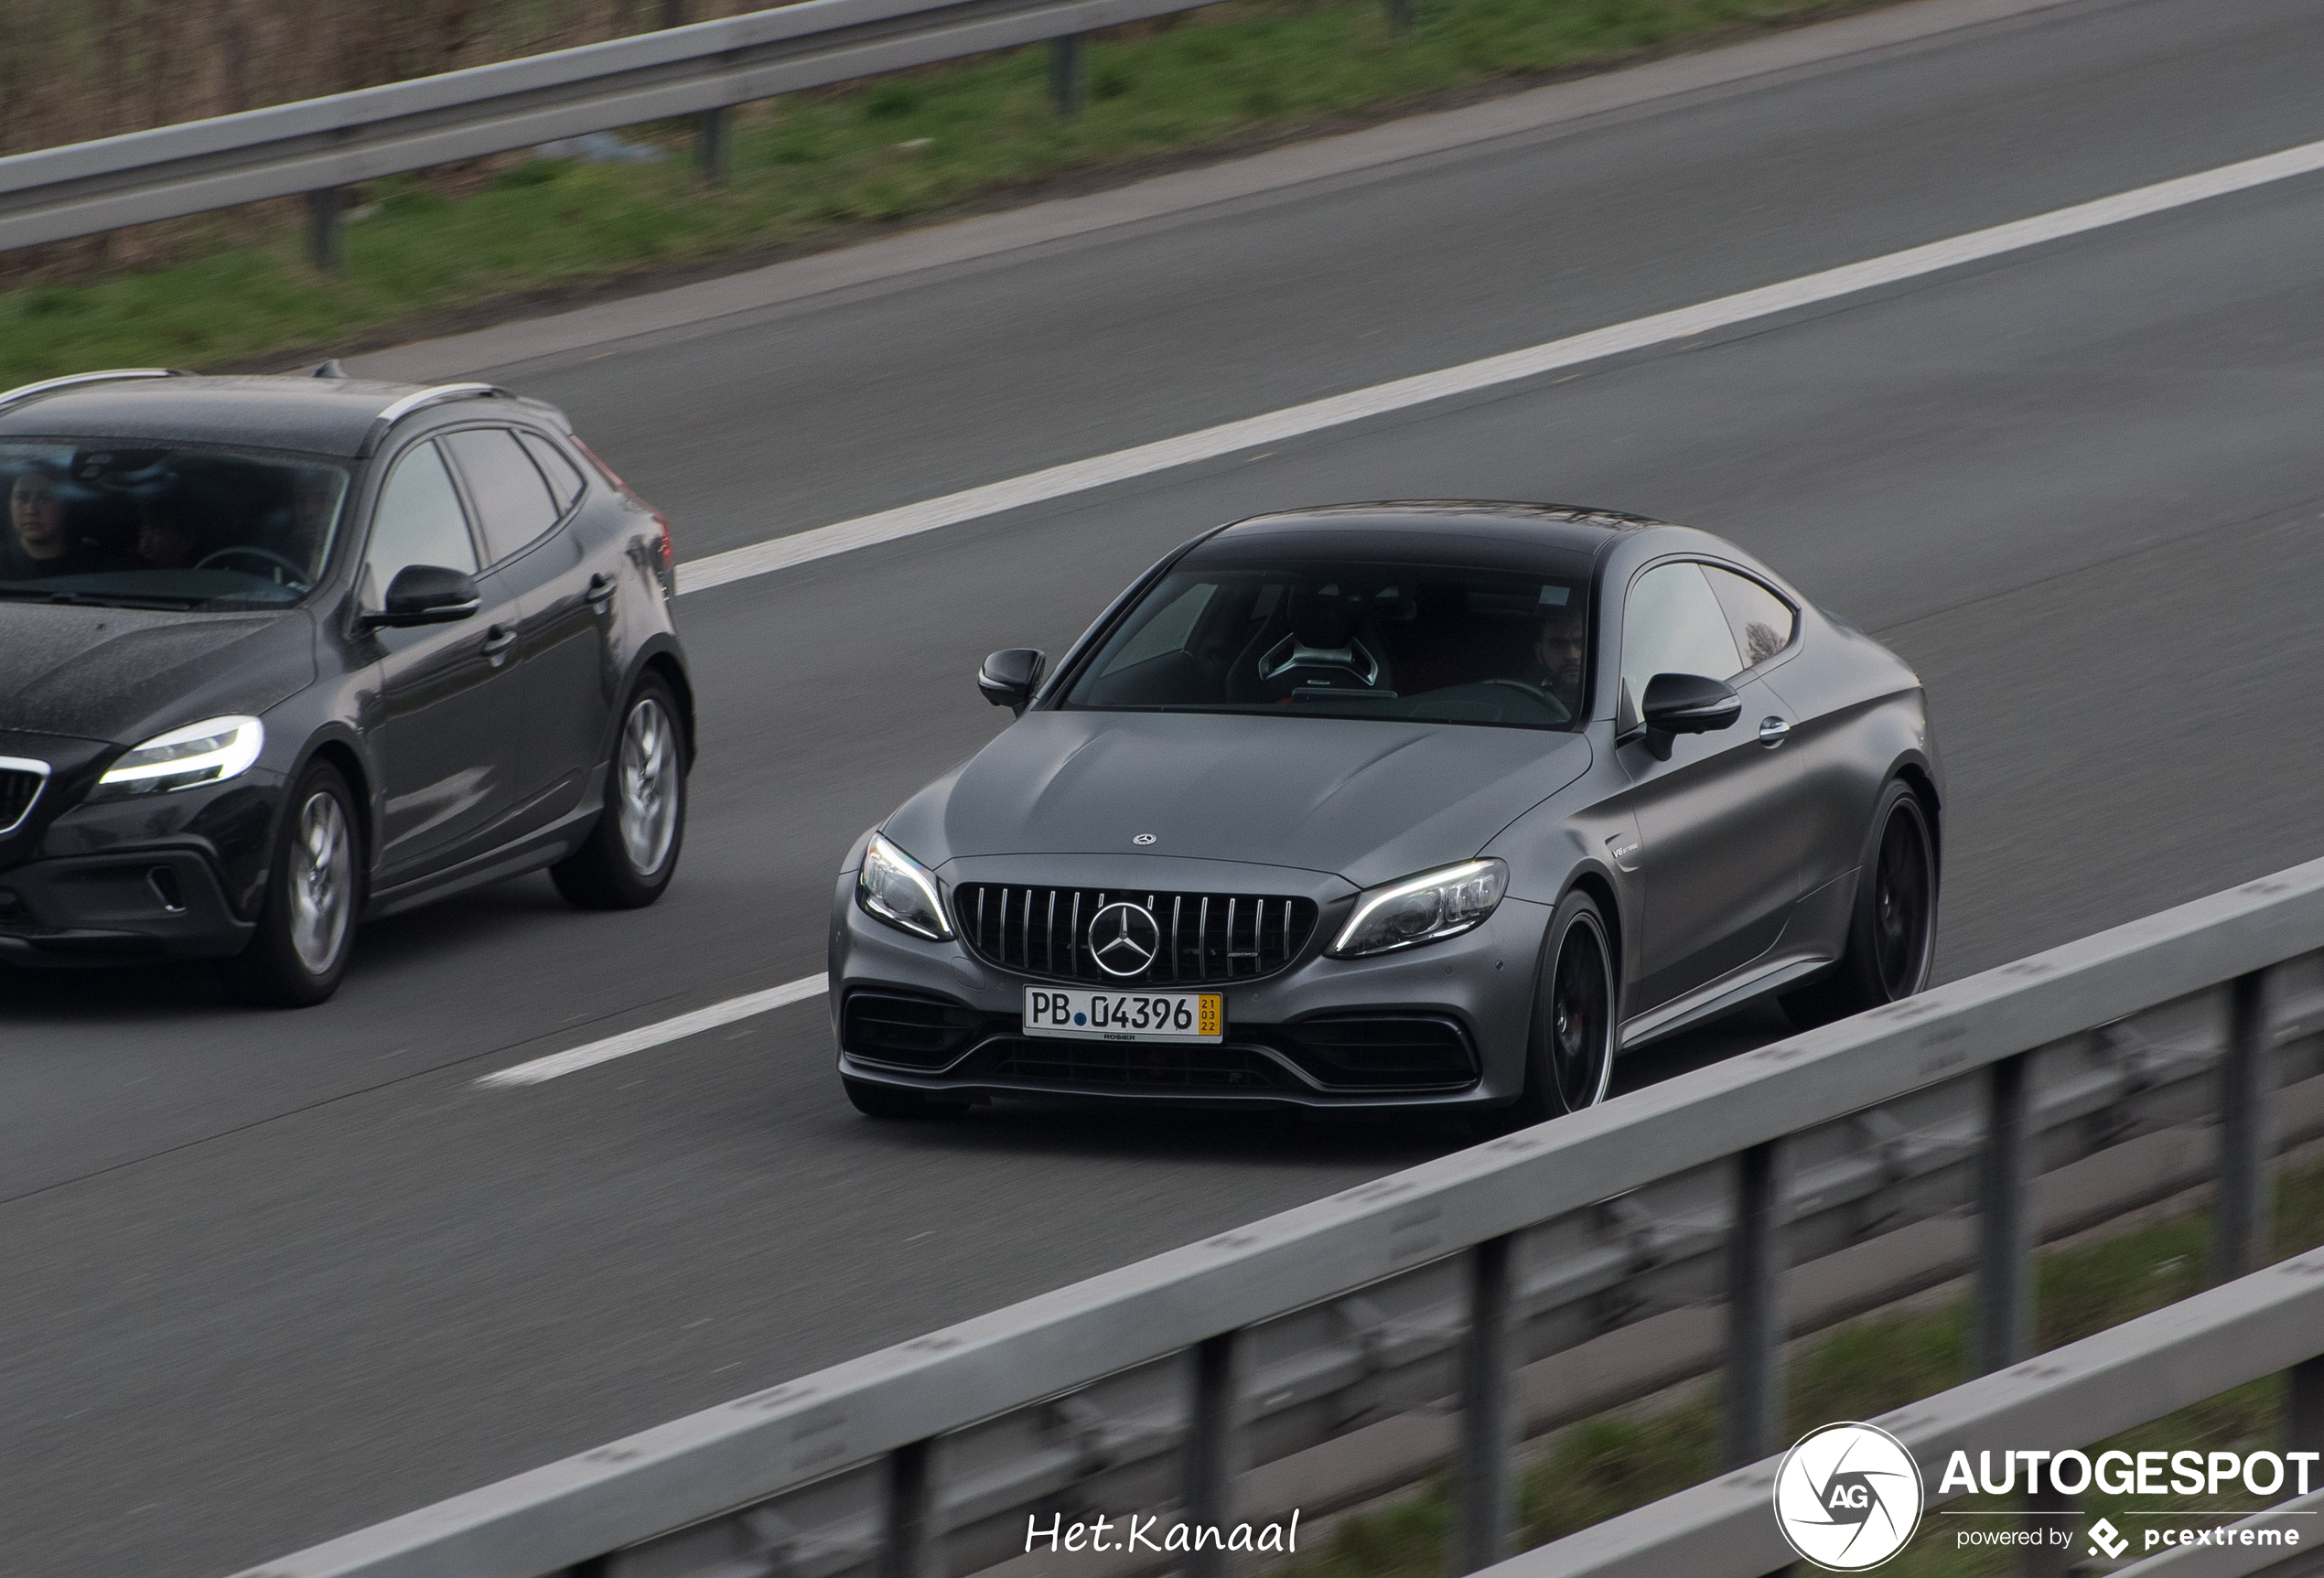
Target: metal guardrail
1152, 1385
2268, 1322
317, 145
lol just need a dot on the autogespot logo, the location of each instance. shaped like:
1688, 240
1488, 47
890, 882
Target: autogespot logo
1847, 1497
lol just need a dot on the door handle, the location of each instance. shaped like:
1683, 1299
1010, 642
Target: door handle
1773, 731
496, 642
601, 587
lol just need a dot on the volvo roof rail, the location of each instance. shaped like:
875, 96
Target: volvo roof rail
33, 390
420, 400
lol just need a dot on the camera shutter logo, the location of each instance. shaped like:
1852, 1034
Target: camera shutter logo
1847, 1497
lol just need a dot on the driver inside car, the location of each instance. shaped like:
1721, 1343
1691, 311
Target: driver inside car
1559, 644
164, 541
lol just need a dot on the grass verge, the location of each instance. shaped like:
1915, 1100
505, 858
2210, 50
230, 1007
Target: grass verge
819, 169
1626, 1458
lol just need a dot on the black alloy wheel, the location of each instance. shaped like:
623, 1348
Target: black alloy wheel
1903, 918
1892, 931
1570, 1059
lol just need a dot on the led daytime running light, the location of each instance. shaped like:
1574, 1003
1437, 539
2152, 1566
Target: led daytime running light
205, 753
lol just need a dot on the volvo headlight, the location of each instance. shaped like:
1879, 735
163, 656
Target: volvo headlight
208, 752
897, 889
1435, 904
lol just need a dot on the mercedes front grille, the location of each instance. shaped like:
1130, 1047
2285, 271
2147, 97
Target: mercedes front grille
1202, 936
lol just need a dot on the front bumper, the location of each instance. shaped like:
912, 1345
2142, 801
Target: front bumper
169, 877
1442, 1025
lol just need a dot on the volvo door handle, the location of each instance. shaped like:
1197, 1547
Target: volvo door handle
600, 588
496, 642
1773, 731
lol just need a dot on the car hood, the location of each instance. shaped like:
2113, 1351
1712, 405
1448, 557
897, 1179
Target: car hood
123, 674
1365, 800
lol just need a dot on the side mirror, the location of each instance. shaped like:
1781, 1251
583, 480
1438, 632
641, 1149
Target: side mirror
1685, 704
1010, 675
428, 595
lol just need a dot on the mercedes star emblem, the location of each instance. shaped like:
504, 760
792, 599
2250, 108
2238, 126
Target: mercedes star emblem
1143, 838
1124, 938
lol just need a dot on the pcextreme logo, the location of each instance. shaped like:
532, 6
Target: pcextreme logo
1847, 1497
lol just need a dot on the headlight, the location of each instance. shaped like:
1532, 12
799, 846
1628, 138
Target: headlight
206, 753
897, 889
1435, 904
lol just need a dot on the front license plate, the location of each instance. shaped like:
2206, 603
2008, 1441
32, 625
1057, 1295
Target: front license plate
1125, 1015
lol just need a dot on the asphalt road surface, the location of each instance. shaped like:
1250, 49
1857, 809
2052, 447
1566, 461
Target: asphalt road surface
270, 1277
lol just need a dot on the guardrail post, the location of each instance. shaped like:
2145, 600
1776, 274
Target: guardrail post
1214, 1422
1065, 75
2304, 1409
2242, 1221
2004, 1330
710, 145
908, 1549
323, 209
1757, 1258
1488, 1391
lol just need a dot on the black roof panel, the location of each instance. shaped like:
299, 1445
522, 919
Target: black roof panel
316, 416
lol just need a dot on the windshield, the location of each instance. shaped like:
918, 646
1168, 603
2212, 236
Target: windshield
1426, 642
114, 521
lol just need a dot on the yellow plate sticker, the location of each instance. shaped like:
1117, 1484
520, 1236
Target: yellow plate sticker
1209, 1012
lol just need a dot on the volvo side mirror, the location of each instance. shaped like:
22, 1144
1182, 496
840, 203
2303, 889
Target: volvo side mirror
1685, 704
1010, 675
428, 595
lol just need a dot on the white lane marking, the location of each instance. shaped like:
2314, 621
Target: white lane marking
639, 1040
1060, 481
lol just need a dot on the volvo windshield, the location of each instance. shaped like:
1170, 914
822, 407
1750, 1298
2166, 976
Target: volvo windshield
150, 525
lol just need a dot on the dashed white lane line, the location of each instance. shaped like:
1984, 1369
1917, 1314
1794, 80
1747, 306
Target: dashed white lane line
1661, 329
747, 1006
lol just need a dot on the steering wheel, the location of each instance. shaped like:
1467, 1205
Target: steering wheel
1559, 709
288, 572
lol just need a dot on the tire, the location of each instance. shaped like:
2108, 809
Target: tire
1892, 929
1569, 1049
307, 928
633, 851
884, 1101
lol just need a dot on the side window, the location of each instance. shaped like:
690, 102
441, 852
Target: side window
1762, 622
418, 521
1673, 625
1168, 631
564, 477
507, 488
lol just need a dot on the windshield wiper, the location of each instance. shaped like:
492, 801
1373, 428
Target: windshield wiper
100, 600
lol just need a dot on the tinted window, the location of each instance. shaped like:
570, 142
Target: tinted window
1673, 625
507, 488
418, 522
1762, 620
564, 477
1329, 636
114, 519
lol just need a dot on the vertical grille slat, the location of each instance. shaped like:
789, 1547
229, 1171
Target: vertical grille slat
1044, 932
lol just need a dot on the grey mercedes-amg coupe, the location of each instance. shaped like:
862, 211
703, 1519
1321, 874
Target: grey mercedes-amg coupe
1417, 805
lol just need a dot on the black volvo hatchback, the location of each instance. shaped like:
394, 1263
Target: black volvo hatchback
279, 654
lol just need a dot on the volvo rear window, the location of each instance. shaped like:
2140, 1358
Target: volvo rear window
108, 520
